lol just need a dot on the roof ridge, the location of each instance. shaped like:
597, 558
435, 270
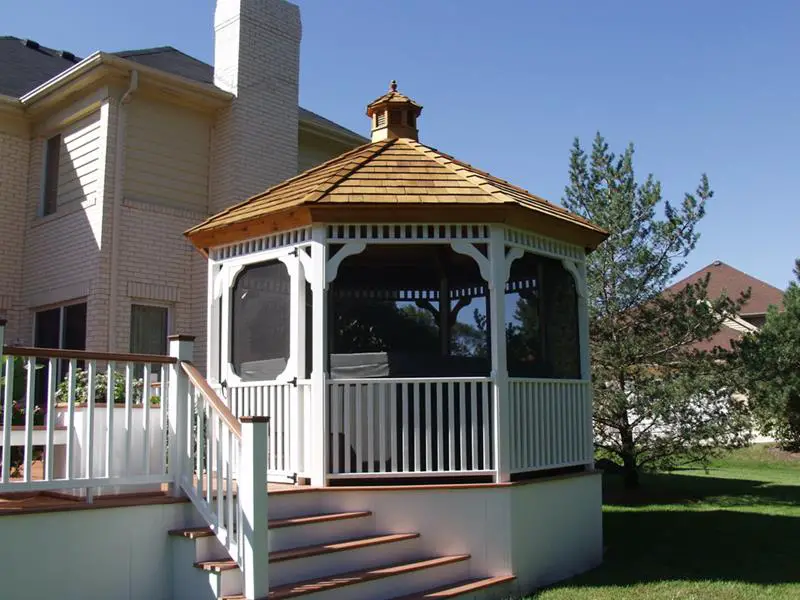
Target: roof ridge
278, 186
488, 182
321, 190
448, 162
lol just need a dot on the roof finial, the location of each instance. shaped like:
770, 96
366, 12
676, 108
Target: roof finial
393, 85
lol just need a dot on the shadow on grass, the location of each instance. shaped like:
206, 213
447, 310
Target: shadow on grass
672, 541
682, 488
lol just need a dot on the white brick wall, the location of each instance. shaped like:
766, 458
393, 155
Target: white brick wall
14, 161
257, 58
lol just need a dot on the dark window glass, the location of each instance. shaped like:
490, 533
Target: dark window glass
75, 327
52, 160
260, 322
395, 117
47, 328
148, 329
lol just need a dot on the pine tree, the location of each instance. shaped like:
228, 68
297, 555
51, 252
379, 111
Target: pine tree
771, 358
658, 403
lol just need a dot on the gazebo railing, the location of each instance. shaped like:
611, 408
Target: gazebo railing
551, 423
410, 427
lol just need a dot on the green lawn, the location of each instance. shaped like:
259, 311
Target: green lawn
732, 533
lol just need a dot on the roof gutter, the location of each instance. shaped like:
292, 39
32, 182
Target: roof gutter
116, 206
124, 66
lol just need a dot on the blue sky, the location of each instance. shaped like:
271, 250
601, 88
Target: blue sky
698, 87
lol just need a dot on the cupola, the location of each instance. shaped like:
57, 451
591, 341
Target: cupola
394, 115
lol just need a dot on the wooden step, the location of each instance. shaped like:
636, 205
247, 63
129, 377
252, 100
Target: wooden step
316, 550
193, 533
459, 589
301, 588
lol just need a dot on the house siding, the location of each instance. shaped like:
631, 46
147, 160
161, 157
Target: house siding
167, 155
314, 150
62, 250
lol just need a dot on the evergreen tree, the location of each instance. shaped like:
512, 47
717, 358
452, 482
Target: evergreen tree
771, 358
658, 403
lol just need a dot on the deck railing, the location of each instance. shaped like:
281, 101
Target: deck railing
551, 423
63, 426
410, 427
224, 473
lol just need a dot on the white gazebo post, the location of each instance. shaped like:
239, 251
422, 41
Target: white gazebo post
319, 436
498, 274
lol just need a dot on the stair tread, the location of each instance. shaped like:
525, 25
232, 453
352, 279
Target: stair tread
199, 532
301, 588
340, 546
314, 550
454, 590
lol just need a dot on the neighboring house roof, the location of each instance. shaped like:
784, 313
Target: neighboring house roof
25, 65
724, 279
396, 174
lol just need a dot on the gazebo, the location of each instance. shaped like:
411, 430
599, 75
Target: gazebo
403, 317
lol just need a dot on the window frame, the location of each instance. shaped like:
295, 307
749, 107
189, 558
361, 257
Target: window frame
61, 328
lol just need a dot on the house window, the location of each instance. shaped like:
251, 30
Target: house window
395, 117
380, 119
412, 119
63, 327
52, 158
149, 329
260, 305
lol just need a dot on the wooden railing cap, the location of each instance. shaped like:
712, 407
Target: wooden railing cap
251, 419
180, 337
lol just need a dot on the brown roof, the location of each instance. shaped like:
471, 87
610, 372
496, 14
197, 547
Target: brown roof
391, 97
732, 282
392, 180
721, 339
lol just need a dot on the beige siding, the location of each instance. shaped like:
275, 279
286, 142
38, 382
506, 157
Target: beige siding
78, 169
166, 155
315, 150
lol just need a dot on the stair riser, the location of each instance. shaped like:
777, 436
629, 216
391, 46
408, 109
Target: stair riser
297, 536
231, 582
284, 506
399, 585
189, 583
322, 565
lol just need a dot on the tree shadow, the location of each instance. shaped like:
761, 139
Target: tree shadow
685, 489
673, 540
721, 545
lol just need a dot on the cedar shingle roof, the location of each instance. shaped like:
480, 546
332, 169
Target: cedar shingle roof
724, 279
391, 174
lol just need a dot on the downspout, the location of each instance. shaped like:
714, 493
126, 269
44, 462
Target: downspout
116, 206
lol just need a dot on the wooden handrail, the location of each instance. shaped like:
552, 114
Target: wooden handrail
84, 355
211, 397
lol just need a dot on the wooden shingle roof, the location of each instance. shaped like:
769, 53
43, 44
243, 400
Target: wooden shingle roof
393, 181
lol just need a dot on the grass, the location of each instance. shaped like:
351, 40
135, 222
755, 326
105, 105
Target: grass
732, 533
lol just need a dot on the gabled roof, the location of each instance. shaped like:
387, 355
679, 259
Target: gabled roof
724, 279
25, 65
397, 174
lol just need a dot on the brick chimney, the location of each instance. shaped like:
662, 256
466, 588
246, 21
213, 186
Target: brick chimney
256, 58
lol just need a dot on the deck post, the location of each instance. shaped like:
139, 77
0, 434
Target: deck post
497, 319
253, 499
319, 438
181, 347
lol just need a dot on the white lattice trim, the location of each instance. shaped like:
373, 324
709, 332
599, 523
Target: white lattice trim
393, 233
267, 242
543, 245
